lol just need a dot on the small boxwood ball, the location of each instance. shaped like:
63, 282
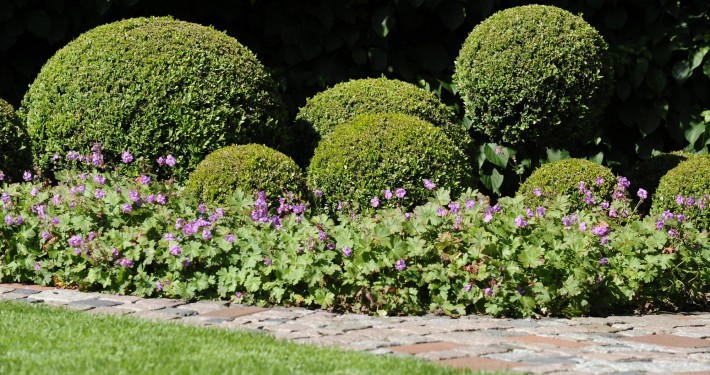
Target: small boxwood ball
685, 190
563, 177
534, 76
15, 147
371, 153
152, 86
250, 168
342, 102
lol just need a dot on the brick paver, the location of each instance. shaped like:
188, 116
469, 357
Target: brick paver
650, 344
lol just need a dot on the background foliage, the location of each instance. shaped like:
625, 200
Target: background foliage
660, 51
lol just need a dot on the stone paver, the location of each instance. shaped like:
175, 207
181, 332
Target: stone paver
650, 344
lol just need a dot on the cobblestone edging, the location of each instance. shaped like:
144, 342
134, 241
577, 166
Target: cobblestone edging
668, 343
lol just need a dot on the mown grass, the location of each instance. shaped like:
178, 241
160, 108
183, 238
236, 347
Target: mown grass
41, 340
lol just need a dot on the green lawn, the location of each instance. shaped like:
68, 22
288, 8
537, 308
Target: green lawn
41, 340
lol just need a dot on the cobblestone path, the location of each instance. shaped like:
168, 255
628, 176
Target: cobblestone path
664, 343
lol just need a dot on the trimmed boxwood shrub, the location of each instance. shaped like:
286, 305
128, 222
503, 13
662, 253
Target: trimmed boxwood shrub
534, 75
374, 152
342, 102
648, 173
152, 86
15, 150
250, 168
563, 177
685, 190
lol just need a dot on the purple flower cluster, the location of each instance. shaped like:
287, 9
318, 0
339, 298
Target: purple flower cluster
400, 265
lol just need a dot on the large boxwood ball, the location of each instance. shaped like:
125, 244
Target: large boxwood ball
685, 190
563, 177
250, 168
534, 76
342, 102
360, 159
15, 147
152, 86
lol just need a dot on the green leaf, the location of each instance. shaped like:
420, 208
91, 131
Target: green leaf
681, 71
381, 22
530, 257
496, 154
656, 80
554, 155
697, 58
695, 131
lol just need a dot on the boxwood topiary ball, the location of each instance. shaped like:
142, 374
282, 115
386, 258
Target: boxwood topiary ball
152, 86
342, 102
250, 168
535, 76
15, 150
359, 159
563, 177
685, 190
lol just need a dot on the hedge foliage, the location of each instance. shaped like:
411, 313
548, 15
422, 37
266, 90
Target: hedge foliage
344, 101
15, 145
535, 76
685, 189
571, 177
152, 86
374, 152
249, 168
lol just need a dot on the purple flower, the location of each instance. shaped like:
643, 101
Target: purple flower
679, 200
186, 262
134, 196
520, 222
441, 211
643, 194
9, 220
5, 197
160, 161
19, 220
318, 193
34, 192
37, 266
387, 194
175, 250
99, 179
673, 232
206, 234
72, 155
230, 238
374, 202
536, 191
400, 265
667, 215
604, 205
604, 240
126, 157
2, 176
170, 161
603, 262
613, 213
580, 187
599, 181
346, 251
566, 222
429, 185
540, 211
322, 236
158, 286
582, 226
454, 207
467, 287
488, 292
150, 198
160, 198
45, 236
144, 180
488, 217
54, 221
126, 263
75, 240
400, 193
201, 208
470, 203
600, 230
529, 213
689, 201
680, 218
99, 194
126, 208
237, 295
168, 236
659, 224
27, 176
623, 183
267, 262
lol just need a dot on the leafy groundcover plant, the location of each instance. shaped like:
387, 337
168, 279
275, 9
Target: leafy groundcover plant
97, 230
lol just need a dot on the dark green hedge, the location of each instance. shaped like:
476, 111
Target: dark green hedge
15, 147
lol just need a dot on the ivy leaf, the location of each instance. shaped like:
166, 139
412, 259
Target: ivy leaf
681, 71
697, 58
694, 132
496, 154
